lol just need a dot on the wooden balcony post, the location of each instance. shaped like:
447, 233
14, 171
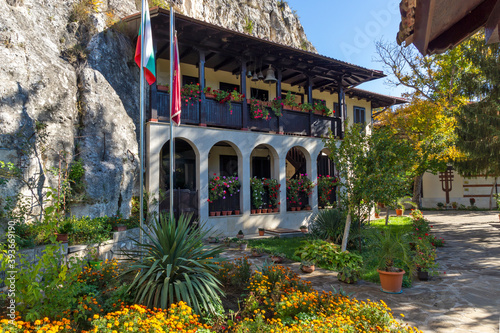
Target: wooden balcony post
278, 94
243, 85
201, 75
310, 100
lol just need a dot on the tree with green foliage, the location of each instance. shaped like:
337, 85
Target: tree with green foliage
371, 168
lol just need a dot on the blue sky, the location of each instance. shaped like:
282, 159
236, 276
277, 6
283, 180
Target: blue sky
348, 30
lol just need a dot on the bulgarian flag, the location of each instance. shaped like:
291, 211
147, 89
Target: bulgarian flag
148, 59
176, 85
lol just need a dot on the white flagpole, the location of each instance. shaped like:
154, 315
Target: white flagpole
141, 126
172, 153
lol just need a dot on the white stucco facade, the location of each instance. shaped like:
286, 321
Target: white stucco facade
202, 139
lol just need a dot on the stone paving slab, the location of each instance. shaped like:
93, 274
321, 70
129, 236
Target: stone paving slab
465, 297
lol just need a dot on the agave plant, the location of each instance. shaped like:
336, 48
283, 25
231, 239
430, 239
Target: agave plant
173, 265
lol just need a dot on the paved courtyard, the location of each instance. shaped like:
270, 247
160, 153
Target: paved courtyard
465, 297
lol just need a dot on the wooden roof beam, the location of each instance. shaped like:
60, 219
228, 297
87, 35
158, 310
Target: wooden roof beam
226, 62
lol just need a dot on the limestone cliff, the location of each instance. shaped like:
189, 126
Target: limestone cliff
66, 83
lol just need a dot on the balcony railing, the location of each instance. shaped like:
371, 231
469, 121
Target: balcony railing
215, 114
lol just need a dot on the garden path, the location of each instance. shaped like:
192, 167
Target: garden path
464, 297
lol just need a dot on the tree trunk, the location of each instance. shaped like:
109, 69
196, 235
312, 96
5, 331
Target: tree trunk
491, 193
346, 231
417, 189
387, 216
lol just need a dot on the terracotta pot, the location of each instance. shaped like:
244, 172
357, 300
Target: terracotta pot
63, 238
224, 212
294, 209
264, 211
307, 269
261, 232
239, 236
257, 254
217, 213
253, 211
277, 260
162, 88
299, 208
296, 108
391, 282
277, 210
229, 212
209, 95
307, 208
377, 216
236, 212
212, 213
120, 228
399, 212
259, 211
304, 230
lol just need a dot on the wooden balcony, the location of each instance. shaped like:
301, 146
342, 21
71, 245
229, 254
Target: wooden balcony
214, 114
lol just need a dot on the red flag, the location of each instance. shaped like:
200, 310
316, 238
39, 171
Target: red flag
176, 86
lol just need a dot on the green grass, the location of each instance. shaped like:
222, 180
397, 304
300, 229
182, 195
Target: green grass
287, 246
399, 223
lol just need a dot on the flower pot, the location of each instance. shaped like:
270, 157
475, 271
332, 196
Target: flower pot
259, 211
391, 282
243, 247
253, 211
120, 228
304, 230
399, 212
261, 232
307, 269
277, 260
377, 216
209, 95
307, 208
264, 211
236, 212
294, 209
275, 210
240, 236
229, 212
224, 212
162, 88
299, 208
63, 238
217, 213
422, 276
212, 213
257, 254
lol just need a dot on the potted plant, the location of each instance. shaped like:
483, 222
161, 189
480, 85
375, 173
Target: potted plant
303, 228
236, 212
240, 234
377, 212
63, 231
257, 189
440, 205
392, 248
454, 205
94, 260
401, 202
233, 242
257, 110
425, 259
243, 244
307, 207
276, 105
262, 231
416, 214
350, 267
257, 252
306, 107
277, 257
289, 101
307, 266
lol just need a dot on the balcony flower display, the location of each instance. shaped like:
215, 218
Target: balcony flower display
295, 186
257, 110
273, 188
257, 188
326, 185
306, 107
276, 106
190, 93
223, 96
321, 107
222, 187
289, 100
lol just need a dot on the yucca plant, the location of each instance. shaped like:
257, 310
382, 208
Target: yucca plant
328, 224
173, 265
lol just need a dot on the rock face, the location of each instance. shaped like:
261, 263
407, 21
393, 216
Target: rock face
66, 83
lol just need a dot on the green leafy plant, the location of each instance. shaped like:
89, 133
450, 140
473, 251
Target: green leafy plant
276, 105
402, 202
350, 265
289, 99
174, 266
273, 188
328, 224
257, 110
248, 28
391, 249
321, 252
306, 107
326, 185
257, 188
321, 107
